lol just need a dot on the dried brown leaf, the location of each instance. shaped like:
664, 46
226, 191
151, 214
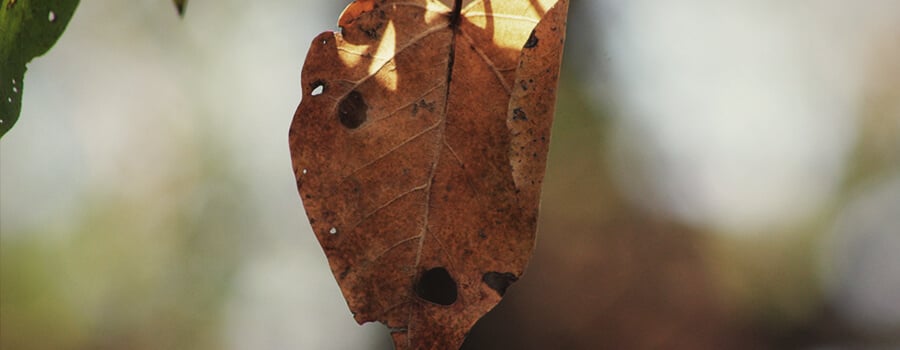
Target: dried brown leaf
419, 149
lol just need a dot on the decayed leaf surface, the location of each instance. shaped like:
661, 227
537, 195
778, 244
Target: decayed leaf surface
419, 149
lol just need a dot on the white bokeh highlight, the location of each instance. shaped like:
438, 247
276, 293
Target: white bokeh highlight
744, 112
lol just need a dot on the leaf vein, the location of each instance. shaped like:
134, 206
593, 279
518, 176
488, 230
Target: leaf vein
487, 60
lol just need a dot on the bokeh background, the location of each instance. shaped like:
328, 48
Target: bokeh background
722, 175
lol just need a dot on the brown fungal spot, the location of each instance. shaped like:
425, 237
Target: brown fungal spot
353, 110
371, 33
422, 105
499, 281
518, 114
436, 286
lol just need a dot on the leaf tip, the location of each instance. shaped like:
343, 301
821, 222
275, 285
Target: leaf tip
179, 6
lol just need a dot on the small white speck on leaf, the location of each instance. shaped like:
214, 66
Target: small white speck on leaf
51, 16
333, 230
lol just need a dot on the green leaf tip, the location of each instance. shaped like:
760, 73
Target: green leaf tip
179, 5
28, 28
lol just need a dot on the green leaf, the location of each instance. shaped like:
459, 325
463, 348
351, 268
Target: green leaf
28, 28
179, 5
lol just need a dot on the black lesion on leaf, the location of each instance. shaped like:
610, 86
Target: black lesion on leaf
532, 41
353, 110
518, 114
437, 286
499, 281
423, 105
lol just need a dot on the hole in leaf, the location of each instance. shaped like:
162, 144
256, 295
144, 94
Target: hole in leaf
318, 88
499, 281
353, 110
436, 286
333, 230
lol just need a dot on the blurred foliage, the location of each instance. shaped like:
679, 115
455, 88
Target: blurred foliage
143, 271
27, 30
604, 273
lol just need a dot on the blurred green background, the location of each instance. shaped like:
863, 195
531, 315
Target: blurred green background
722, 175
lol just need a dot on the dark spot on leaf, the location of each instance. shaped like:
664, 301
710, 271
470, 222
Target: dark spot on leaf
436, 286
518, 114
352, 110
482, 235
532, 41
499, 281
371, 33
